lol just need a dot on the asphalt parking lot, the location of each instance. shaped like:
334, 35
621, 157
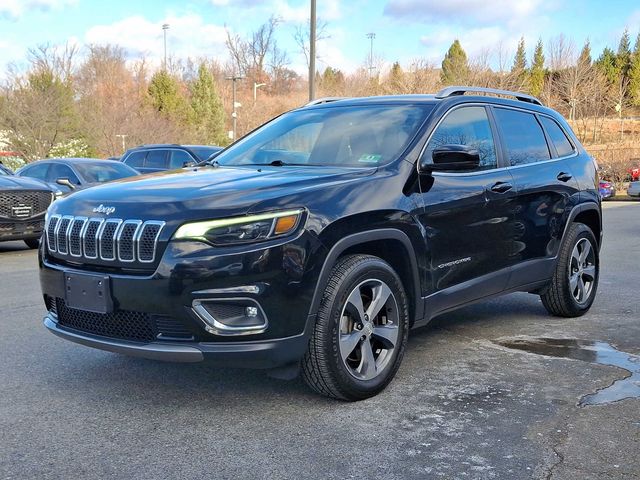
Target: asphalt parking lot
462, 405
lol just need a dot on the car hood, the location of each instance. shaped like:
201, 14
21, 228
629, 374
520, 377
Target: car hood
201, 192
13, 182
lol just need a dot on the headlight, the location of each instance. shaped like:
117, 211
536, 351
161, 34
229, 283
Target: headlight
251, 228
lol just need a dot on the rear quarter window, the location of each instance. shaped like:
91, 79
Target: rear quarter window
563, 146
523, 137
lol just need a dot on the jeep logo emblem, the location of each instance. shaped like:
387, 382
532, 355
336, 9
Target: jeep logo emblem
104, 209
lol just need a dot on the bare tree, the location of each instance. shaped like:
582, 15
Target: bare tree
302, 37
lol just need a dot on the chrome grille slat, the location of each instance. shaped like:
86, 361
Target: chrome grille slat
61, 234
109, 240
74, 236
127, 240
148, 240
90, 238
51, 232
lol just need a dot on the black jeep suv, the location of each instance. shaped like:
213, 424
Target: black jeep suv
320, 239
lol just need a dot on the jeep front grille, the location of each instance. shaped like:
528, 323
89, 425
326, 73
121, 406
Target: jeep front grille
111, 239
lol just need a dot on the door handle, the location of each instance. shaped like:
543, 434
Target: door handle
564, 176
501, 187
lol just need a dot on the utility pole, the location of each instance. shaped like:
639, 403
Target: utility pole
312, 52
234, 114
124, 145
371, 36
165, 27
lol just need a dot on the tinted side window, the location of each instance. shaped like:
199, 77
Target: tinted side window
135, 159
179, 158
558, 137
523, 137
466, 126
156, 159
37, 171
58, 170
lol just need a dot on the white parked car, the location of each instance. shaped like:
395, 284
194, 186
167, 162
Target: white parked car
634, 189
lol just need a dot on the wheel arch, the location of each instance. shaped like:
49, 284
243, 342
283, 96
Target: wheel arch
382, 243
590, 214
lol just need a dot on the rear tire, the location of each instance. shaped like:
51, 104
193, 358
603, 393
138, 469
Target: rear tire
32, 243
361, 330
575, 279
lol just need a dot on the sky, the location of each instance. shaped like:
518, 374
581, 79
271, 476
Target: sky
405, 30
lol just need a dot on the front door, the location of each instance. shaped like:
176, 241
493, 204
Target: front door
467, 216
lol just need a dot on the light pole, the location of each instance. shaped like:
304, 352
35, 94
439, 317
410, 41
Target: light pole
234, 114
371, 36
312, 52
165, 27
124, 145
256, 86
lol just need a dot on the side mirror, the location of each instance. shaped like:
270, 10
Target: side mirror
189, 163
66, 182
452, 157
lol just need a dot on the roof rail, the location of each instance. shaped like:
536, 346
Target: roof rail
319, 101
455, 91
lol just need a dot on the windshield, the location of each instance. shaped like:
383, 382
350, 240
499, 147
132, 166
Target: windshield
350, 136
203, 152
104, 171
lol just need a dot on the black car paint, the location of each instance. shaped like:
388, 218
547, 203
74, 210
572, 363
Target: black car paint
423, 223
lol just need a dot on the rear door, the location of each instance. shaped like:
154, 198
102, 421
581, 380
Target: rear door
156, 161
467, 215
546, 190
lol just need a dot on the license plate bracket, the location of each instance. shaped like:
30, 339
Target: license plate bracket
88, 292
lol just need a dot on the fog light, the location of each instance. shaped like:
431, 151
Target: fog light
237, 316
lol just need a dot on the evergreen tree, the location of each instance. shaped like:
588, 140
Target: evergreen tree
623, 57
634, 73
455, 67
536, 76
608, 65
584, 59
519, 68
206, 109
520, 60
396, 76
165, 95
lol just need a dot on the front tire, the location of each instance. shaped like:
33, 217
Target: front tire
575, 280
32, 243
361, 330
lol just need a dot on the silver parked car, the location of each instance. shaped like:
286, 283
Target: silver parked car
634, 189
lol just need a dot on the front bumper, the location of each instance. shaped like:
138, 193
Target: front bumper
263, 354
21, 229
154, 315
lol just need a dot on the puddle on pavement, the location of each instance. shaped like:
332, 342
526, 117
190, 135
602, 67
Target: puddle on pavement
587, 351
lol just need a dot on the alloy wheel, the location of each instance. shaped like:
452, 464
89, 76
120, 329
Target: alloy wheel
368, 329
582, 271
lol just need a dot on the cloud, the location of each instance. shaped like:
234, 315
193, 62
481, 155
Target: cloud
327, 10
463, 11
14, 9
188, 36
